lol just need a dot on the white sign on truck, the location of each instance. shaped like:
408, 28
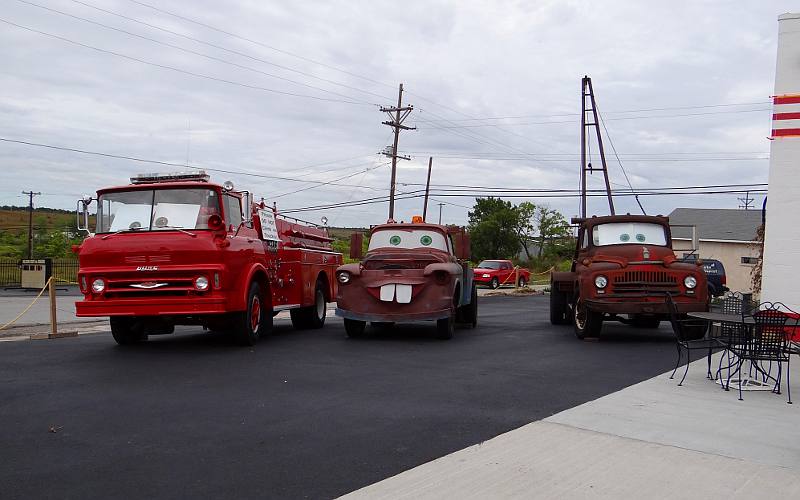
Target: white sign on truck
269, 230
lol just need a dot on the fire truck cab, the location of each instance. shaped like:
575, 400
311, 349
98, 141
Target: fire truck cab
176, 249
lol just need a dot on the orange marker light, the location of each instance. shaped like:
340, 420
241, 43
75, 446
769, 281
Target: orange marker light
417, 219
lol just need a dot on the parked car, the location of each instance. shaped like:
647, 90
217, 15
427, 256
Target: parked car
494, 273
715, 274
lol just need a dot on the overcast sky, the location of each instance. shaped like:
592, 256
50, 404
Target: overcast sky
292, 89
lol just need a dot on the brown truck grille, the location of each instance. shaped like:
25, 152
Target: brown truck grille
645, 281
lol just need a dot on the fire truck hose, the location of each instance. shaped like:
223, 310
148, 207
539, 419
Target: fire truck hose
29, 305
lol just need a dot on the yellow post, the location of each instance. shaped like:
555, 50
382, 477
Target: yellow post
516, 277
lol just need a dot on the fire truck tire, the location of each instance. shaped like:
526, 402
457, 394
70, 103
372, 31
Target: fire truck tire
249, 324
587, 323
559, 310
495, 283
354, 328
445, 327
313, 316
125, 331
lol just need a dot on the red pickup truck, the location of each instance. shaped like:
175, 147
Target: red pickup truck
500, 272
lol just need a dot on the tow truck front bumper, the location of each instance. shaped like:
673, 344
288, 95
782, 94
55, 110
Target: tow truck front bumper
641, 306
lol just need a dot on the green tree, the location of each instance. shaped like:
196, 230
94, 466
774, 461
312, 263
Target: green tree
492, 227
550, 226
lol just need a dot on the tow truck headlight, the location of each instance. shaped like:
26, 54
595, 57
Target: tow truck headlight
485, 276
343, 277
601, 282
201, 283
690, 282
98, 285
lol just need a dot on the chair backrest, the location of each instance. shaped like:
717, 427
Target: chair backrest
733, 303
769, 334
674, 318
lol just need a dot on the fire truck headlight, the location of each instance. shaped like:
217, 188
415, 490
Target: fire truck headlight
201, 283
343, 277
690, 282
98, 285
601, 282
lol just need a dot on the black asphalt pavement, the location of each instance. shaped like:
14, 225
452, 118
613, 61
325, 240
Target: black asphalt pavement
304, 414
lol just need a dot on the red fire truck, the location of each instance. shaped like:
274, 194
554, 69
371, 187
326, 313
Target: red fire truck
176, 249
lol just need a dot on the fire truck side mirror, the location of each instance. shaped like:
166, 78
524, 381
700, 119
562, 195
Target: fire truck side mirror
82, 213
247, 208
356, 242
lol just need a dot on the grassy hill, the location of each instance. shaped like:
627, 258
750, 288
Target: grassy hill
52, 232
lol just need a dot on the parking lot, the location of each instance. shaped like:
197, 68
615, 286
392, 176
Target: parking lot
303, 413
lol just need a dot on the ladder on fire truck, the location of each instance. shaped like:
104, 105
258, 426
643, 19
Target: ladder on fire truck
590, 106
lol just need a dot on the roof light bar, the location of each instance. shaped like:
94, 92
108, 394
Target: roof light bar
197, 175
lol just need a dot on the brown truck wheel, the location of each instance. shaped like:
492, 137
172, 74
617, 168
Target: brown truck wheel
354, 328
559, 309
587, 323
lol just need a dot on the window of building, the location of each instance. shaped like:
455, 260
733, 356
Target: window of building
749, 260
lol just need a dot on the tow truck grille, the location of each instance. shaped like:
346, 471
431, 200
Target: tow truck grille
645, 281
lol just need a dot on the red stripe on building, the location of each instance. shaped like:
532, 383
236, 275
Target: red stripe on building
786, 116
785, 132
786, 99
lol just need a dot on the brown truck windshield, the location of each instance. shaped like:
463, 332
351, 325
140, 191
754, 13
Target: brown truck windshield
156, 210
626, 233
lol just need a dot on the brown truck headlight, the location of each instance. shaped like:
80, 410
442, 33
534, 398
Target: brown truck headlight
343, 277
690, 282
601, 282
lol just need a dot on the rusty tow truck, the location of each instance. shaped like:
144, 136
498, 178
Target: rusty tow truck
411, 272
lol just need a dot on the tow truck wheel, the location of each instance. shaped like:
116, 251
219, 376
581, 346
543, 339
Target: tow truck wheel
313, 316
445, 327
468, 314
495, 283
250, 323
354, 328
558, 307
125, 331
587, 323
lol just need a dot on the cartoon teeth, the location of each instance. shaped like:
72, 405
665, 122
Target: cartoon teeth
394, 291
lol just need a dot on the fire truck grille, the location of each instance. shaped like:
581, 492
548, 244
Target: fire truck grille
645, 281
175, 285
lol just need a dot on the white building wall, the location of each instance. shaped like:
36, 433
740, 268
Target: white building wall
781, 272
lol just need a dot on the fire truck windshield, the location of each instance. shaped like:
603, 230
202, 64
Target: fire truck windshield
156, 210
407, 238
622, 233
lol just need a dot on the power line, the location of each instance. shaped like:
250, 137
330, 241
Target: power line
226, 49
157, 162
178, 70
182, 49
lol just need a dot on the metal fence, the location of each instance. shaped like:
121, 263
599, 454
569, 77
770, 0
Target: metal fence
65, 270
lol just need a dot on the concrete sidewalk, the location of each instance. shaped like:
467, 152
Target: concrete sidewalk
13, 302
650, 440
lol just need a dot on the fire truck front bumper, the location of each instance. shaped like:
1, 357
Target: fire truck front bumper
167, 306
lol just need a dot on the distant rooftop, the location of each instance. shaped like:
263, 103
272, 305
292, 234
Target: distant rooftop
716, 223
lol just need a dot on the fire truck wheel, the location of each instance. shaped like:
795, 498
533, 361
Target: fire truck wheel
445, 327
354, 328
125, 330
559, 311
313, 316
495, 283
250, 323
587, 323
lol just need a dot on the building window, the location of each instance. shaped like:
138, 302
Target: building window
690, 256
749, 260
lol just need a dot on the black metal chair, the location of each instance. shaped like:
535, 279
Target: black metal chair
767, 342
686, 338
731, 335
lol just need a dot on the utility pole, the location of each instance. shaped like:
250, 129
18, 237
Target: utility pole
427, 190
440, 213
30, 194
396, 122
747, 202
